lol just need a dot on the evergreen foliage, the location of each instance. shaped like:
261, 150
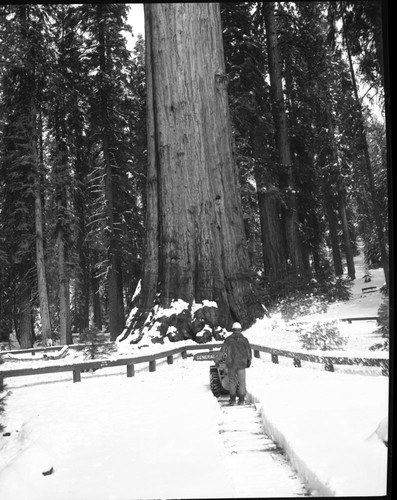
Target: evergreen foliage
384, 318
92, 337
298, 297
68, 157
73, 135
3, 397
324, 336
383, 326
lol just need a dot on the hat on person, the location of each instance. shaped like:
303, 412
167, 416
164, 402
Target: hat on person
236, 326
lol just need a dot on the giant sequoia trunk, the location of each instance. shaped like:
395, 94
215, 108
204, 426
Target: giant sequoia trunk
196, 248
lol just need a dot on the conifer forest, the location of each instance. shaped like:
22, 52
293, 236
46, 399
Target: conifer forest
234, 156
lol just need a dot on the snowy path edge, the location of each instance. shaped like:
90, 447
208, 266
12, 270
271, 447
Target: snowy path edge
314, 484
316, 479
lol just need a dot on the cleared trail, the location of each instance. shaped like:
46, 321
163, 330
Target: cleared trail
259, 468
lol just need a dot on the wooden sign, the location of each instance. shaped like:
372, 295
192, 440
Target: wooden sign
206, 356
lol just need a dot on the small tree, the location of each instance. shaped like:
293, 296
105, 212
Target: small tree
91, 337
324, 336
3, 396
383, 326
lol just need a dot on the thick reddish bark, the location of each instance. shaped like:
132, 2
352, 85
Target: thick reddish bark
196, 247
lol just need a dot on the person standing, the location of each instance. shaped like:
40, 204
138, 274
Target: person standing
236, 351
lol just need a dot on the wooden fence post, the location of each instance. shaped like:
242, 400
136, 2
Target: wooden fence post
297, 362
130, 370
152, 365
76, 375
274, 358
257, 354
184, 354
170, 359
328, 366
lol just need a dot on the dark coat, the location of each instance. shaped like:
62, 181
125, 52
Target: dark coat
236, 351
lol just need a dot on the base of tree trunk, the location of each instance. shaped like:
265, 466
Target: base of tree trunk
179, 322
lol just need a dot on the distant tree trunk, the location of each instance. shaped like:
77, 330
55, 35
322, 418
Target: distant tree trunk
269, 210
115, 288
346, 236
62, 179
25, 330
287, 184
196, 246
333, 234
314, 217
96, 299
306, 252
367, 167
64, 296
4, 324
341, 198
27, 120
40, 264
300, 151
378, 18
82, 309
273, 244
315, 241
40, 260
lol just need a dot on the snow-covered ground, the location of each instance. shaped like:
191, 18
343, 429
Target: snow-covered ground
156, 435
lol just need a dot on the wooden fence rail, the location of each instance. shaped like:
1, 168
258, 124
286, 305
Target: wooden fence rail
327, 359
94, 364
362, 318
34, 350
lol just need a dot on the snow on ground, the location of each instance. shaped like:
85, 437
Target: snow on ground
110, 437
325, 422
156, 435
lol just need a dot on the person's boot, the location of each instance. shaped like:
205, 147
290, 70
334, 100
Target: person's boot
241, 400
232, 400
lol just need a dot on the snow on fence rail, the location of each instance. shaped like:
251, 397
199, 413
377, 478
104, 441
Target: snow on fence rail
328, 360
